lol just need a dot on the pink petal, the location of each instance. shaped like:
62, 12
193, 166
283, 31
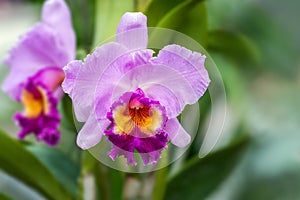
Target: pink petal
91, 133
57, 15
82, 78
132, 31
166, 96
161, 83
189, 64
177, 134
116, 152
71, 71
109, 88
50, 77
37, 49
82, 111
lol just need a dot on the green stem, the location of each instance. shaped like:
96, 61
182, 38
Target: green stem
102, 187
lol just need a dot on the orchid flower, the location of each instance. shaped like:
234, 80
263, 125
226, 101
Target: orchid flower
123, 92
36, 73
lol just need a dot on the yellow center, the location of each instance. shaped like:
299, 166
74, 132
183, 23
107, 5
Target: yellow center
145, 118
33, 106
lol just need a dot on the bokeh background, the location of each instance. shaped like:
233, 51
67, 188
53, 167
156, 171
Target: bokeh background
256, 46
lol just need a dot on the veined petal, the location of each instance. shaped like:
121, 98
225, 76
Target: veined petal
37, 49
109, 88
116, 152
91, 133
166, 96
132, 31
149, 148
177, 134
161, 83
189, 64
71, 71
82, 78
57, 15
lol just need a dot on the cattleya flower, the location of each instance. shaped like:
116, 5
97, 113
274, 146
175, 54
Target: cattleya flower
123, 92
36, 71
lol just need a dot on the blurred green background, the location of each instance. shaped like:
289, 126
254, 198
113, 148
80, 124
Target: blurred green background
256, 46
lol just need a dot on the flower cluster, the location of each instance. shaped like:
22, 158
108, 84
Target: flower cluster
36, 73
133, 98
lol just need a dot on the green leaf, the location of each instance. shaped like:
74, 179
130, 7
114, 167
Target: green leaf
234, 45
108, 15
200, 177
20, 163
83, 21
4, 197
62, 167
270, 169
190, 18
161, 180
66, 111
68, 130
158, 8
109, 182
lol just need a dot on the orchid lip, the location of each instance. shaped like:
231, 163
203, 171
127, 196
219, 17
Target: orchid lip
135, 114
40, 115
137, 123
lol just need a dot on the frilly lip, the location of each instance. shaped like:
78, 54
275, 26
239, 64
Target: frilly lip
149, 146
45, 125
126, 99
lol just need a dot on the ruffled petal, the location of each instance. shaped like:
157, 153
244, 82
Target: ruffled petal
109, 88
116, 152
177, 134
40, 115
82, 78
71, 71
189, 64
50, 136
37, 49
91, 133
149, 148
166, 96
137, 123
132, 31
161, 83
57, 15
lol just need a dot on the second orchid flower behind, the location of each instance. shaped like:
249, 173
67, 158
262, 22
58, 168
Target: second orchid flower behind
133, 98
36, 73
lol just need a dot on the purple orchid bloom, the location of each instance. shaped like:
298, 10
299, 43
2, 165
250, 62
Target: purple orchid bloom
123, 92
36, 73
